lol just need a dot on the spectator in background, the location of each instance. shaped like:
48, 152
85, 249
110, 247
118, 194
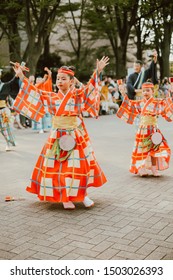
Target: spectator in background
7, 88
111, 82
140, 75
44, 83
104, 98
166, 87
112, 103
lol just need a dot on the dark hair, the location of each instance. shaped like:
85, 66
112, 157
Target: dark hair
72, 68
138, 62
165, 80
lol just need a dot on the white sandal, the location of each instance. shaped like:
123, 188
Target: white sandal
143, 172
7, 148
69, 205
154, 171
88, 202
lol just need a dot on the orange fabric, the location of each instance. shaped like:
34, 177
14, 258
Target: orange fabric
66, 71
143, 149
68, 180
147, 85
46, 85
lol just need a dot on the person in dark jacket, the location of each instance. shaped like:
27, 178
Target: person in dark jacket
136, 79
7, 88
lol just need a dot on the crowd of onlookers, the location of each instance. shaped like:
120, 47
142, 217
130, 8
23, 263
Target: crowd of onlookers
164, 88
110, 96
111, 99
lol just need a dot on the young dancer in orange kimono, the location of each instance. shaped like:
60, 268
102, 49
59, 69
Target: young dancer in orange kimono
148, 154
63, 174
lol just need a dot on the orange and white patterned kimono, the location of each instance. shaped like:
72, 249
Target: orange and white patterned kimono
143, 149
55, 178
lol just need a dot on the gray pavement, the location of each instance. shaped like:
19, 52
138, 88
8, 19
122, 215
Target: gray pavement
132, 217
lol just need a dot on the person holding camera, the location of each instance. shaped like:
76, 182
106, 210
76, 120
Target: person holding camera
140, 75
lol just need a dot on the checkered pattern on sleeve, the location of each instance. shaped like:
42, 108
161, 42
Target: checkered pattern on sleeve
128, 110
28, 102
91, 96
168, 109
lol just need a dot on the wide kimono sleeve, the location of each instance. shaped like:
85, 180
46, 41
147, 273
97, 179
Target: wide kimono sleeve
48, 84
167, 112
129, 110
91, 96
29, 102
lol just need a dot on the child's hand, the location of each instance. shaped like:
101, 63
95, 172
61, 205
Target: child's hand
48, 71
19, 72
102, 63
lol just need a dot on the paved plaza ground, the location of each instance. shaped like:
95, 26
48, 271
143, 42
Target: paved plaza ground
132, 217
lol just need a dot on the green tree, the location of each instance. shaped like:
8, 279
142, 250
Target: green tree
9, 17
31, 25
79, 51
115, 19
163, 29
155, 28
40, 19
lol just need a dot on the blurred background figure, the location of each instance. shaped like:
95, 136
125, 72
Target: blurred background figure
7, 88
166, 87
141, 75
44, 83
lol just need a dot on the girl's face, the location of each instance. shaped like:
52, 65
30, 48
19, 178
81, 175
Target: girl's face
63, 82
147, 92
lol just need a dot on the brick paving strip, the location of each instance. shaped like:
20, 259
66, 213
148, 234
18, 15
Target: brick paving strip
132, 217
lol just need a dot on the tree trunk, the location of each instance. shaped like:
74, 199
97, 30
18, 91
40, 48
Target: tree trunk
138, 43
46, 47
165, 69
14, 40
32, 55
121, 71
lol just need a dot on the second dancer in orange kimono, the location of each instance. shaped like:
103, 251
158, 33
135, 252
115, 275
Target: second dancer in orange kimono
151, 150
